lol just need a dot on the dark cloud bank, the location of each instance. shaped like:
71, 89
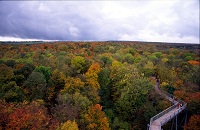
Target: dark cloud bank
165, 21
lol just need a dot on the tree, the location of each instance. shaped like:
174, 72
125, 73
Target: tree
132, 97
194, 103
11, 92
132, 51
58, 79
25, 70
129, 89
71, 107
92, 86
65, 109
158, 54
73, 85
79, 63
96, 118
11, 63
169, 88
35, 86
128, 58
194, 123
106, 60
30, 116
5, 110
120, 125
8, 87
46, 71
69, 125
104, 91
166, 74
148, 68
6, 74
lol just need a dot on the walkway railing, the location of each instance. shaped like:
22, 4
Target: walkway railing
172, 99
162, 113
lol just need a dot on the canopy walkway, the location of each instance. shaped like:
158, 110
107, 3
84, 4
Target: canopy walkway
163, 117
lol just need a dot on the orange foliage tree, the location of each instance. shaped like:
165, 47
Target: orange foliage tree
194, 123
96, 118
193, 62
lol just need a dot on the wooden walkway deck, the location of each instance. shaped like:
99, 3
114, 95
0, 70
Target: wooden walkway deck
162, 118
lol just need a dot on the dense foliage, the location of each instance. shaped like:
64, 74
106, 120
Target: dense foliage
94, 85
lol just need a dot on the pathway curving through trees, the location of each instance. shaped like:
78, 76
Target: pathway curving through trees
163, 117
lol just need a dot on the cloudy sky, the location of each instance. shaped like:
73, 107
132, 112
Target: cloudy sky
155, 20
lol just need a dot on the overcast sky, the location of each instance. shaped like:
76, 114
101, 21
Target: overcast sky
155, 20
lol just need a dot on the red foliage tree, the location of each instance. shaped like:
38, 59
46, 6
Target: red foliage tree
30, 116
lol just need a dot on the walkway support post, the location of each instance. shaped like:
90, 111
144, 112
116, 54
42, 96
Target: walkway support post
185, 119
176, 123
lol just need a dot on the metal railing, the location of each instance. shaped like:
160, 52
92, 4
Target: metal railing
162, 113
175, 113
172, 99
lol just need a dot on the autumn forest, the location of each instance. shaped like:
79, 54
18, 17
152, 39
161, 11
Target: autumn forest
95, 85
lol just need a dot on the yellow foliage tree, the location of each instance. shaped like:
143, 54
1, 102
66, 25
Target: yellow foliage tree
69, 125
92, 83
93, 71
73, 85
96, 118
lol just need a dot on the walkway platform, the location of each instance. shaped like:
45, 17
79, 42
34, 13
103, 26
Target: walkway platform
163, 117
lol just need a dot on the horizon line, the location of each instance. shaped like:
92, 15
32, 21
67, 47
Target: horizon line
94, 41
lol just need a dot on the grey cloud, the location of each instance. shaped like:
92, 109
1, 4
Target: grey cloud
96, 20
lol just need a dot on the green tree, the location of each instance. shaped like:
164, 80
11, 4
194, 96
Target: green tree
6, 74
79, 63
46, 71
35, 86
132, 51
169, 88
166, 74
26, 70
128, 58
120, 125
11, 63
104, 92
58, 79
11, 92
148, 68
106, 60
56, 83
158, 54
129, 90
70, 106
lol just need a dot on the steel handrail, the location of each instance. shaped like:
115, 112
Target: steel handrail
162, 113
172, 99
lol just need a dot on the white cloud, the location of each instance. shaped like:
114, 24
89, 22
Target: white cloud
74, 31
152, 36
8, 38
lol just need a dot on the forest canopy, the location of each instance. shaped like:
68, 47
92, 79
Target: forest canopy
95, 85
